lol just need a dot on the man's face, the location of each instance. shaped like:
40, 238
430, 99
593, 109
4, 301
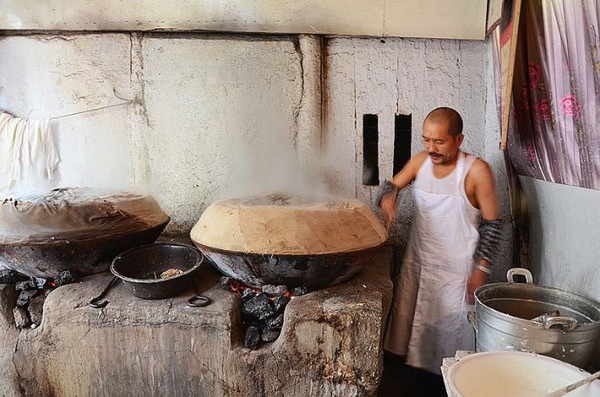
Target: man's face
440, 145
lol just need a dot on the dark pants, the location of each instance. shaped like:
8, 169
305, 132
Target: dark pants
401, 380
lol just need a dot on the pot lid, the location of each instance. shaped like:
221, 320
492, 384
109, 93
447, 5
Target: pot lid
286, 224
75, 214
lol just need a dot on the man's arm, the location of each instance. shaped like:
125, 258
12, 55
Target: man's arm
482, 193
402, 179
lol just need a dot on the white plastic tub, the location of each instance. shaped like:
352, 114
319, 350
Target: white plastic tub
515, 374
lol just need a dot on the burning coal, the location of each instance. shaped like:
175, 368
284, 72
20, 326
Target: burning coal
32, 293
262, 309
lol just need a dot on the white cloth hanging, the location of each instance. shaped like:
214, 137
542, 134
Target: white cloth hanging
28, 154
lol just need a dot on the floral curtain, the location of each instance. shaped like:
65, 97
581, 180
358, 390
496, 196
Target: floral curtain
554, 133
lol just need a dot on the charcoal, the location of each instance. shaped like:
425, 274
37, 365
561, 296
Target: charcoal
252, 338
275, 323
224, 282
8, 276
35, 309
26, 285
298, 291
21, 317
274, 290
65, 277
25, 297
248, 294
279, 303
40, 283
270, 336
259, 325
258, 307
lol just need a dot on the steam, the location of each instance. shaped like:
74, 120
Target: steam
266, 160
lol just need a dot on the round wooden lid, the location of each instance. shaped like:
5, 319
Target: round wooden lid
280, 223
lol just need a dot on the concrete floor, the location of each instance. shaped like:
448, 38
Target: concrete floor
401, 380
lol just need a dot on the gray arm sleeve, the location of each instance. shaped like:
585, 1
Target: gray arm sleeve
490, 233
384, 189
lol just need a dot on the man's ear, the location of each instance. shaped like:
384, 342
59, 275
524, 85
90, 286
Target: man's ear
459, 139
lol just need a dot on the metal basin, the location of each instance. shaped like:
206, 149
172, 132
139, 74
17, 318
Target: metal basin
140, 269
504, 313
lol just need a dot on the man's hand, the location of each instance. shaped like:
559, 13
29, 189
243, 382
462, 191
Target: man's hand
388, 207
476, 280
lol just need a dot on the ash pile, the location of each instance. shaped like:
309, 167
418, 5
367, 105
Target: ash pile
262, 309
32, 292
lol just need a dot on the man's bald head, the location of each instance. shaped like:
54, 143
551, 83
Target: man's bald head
447, 116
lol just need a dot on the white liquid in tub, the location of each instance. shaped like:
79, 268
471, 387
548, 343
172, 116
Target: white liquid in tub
505, 390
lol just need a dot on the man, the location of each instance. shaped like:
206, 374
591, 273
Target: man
448, 253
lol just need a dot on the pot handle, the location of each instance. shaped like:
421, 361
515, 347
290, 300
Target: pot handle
472, 317
566, 323
519, 271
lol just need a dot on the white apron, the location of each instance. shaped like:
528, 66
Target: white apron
429, 316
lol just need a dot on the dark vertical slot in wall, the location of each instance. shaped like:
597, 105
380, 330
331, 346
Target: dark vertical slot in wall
370, 150
402, 139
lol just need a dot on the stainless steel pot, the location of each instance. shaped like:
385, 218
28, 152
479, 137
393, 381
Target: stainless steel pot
517, 316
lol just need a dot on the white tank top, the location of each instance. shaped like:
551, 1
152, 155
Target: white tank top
442, 205
452, 184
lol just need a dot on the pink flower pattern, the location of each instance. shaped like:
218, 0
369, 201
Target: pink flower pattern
531, 152
535, 74
542, 110
525, 97
569, 106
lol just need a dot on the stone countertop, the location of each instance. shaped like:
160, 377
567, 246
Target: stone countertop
330, 343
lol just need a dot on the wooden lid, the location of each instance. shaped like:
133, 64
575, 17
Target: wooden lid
280, 223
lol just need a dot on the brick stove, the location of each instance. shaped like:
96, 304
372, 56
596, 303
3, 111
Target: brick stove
330, 344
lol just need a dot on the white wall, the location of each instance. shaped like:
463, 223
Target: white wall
564, 240
45, 76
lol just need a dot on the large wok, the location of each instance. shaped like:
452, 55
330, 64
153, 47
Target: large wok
311, 271
75, 229
289, 240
